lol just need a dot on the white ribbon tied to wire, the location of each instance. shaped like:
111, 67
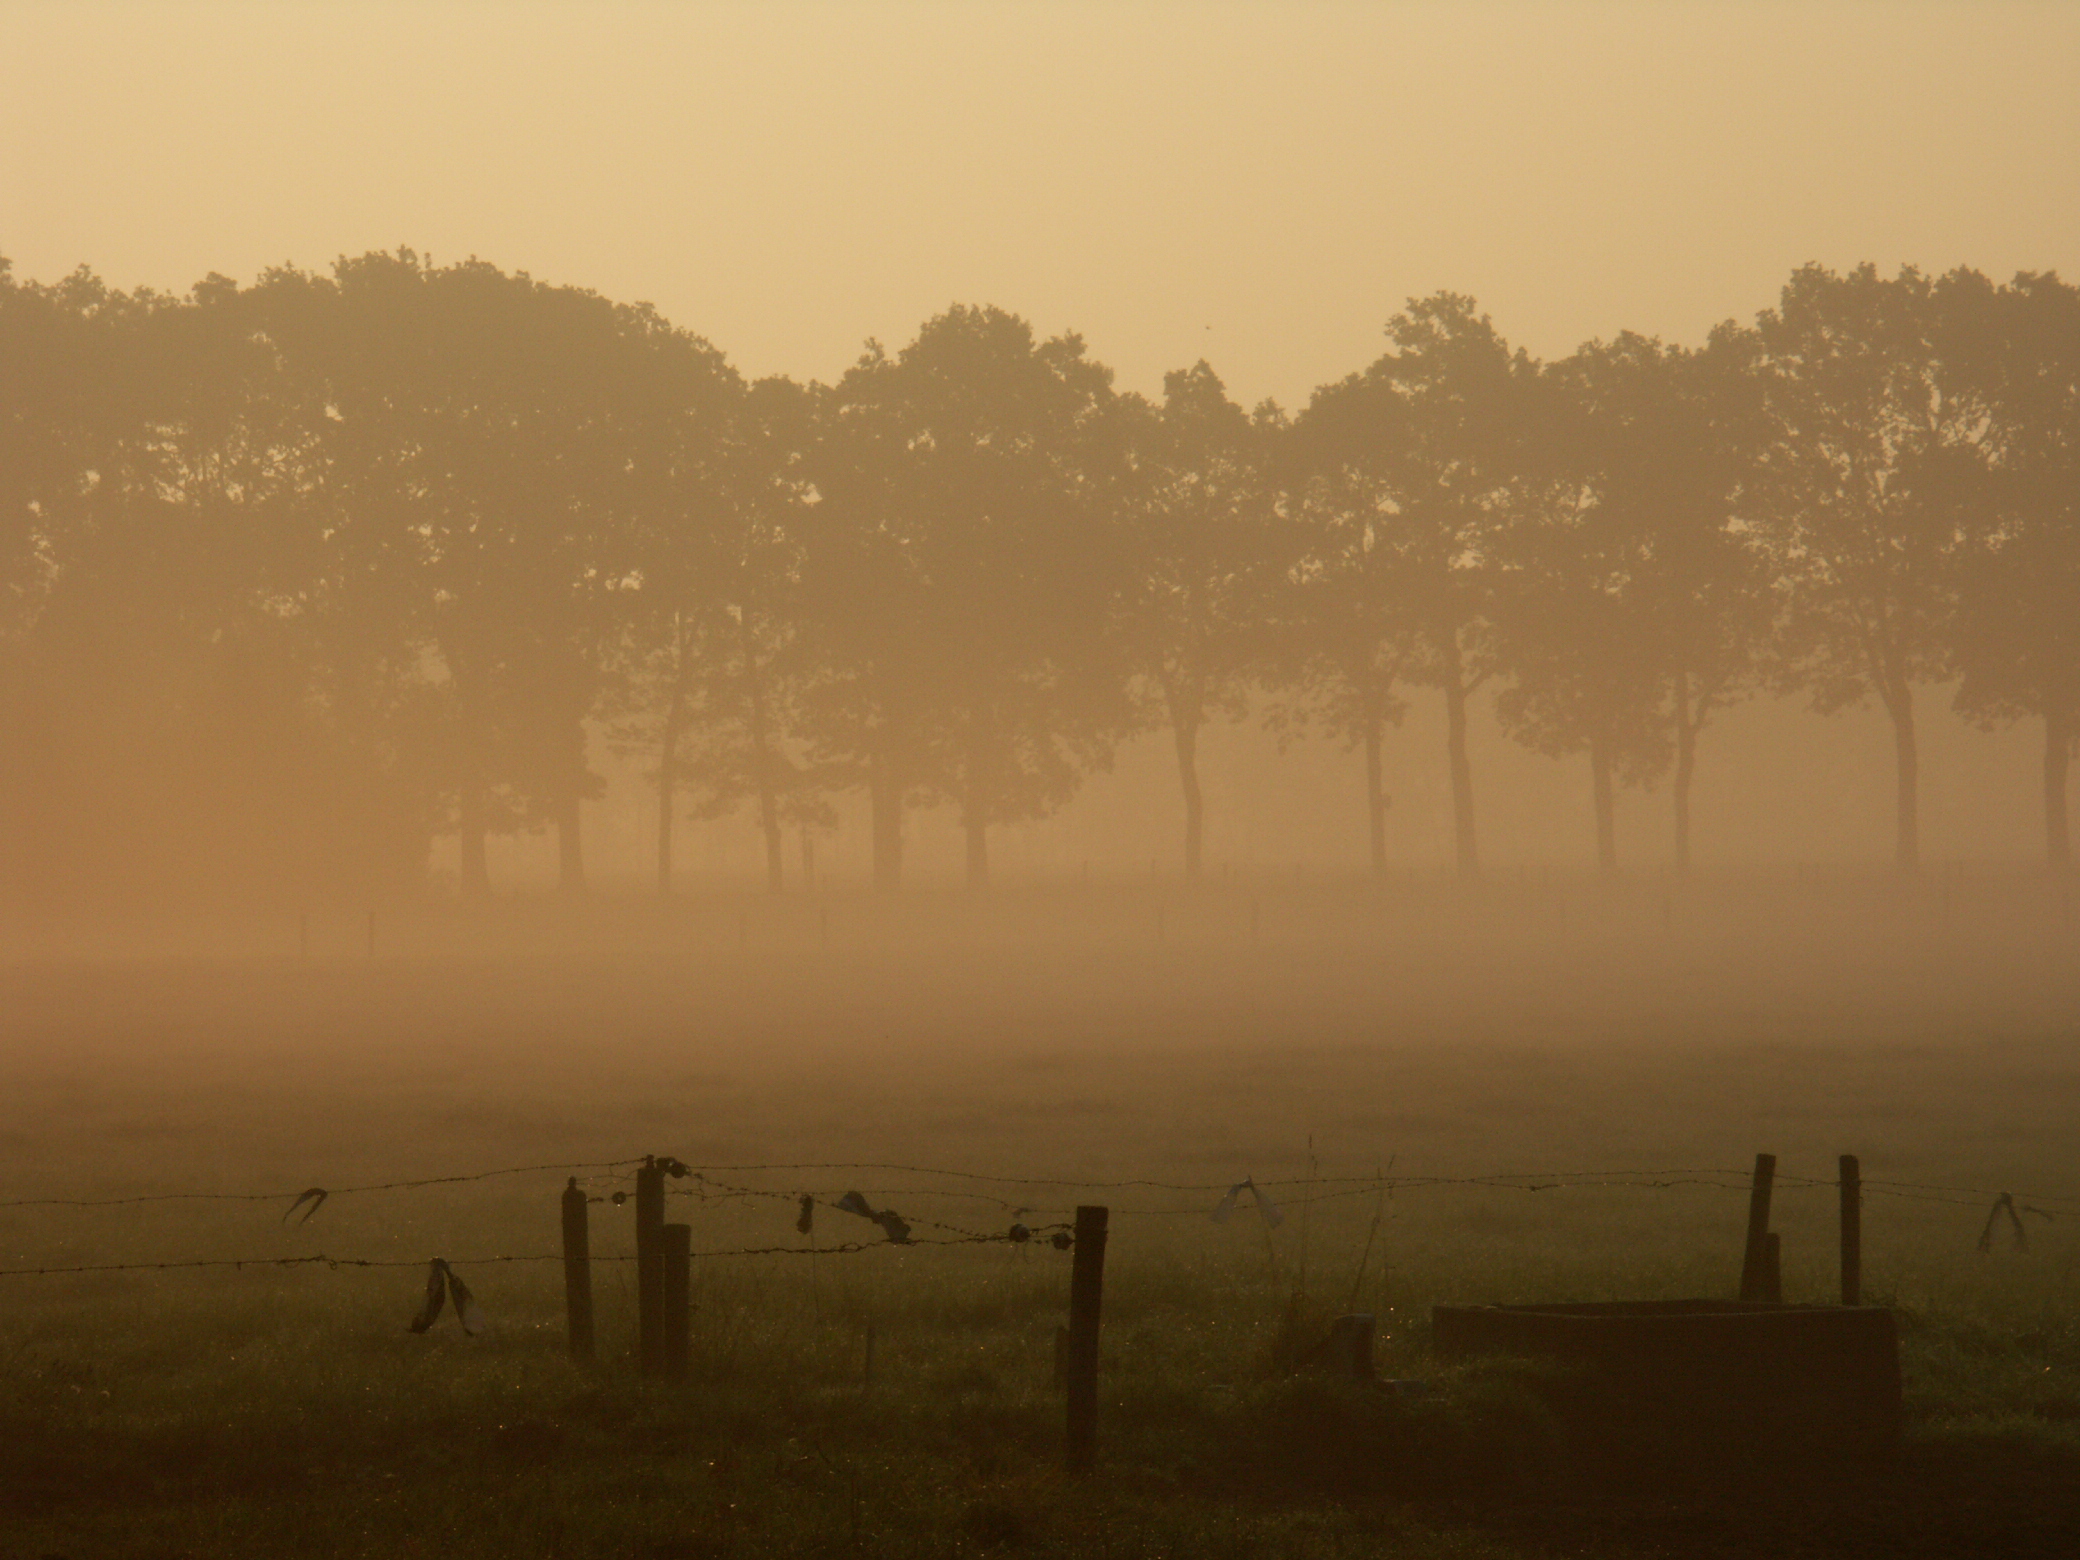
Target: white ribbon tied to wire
1265, 1205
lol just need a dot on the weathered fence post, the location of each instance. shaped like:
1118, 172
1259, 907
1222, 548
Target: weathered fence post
676, 1258
1086, 1298
1349, 1347
1852, 1231
577, 1272
649, 1268
1757, 1251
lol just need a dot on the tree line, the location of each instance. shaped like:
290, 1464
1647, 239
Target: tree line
302, 575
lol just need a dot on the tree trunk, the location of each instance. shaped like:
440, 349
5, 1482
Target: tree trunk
978, 853
1185, 730
570, 854
2058, 754
1462, 768
667, 794
1375, 794
885, 792
762, 762
1899, 704
476, 872
1606, 807
1686, 768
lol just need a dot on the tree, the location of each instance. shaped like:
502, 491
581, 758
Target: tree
1197, 515
1413, 463
1636, 610
715, 636
2009, 360
1348, 619
960, 577
1852, 396
501, 435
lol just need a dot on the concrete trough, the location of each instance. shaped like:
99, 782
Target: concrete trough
1760, 1376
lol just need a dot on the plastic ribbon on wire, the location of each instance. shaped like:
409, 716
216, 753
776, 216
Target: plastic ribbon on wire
444, 1283
2005, 1203
1265, 1206
891, 1222
315, 1196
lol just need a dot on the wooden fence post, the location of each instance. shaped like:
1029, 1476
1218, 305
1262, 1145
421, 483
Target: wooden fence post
1852, 1231
1757, 1253
676, 1258
1086, 1298
1349, 1347
649, 1268
577, 1272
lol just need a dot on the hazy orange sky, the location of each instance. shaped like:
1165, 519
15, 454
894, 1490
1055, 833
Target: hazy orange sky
1262, 185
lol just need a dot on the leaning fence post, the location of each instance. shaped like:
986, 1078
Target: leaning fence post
1756, 1254
675, 1256
1086, 1297
1852, 1231
649, 1268
577, 1271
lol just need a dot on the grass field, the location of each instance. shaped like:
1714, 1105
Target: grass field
1533, 1029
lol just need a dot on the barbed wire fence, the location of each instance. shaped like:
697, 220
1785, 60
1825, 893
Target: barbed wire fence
705, 1182
665, 1251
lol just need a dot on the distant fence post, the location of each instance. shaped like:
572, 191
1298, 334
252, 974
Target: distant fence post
1757, 1251
577, 1272
1852, 1231
1086, 1298
650, 1268
676, 1257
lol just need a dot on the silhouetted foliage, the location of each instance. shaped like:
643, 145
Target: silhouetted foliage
296, 577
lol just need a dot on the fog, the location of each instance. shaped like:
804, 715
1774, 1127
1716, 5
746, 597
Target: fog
707, 710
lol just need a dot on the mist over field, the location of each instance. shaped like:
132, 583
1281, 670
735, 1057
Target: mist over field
1067, 780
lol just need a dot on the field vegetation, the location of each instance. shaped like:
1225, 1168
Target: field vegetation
1551, 1032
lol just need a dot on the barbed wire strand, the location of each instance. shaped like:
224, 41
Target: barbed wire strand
847, 1248
334, 1191
1722, 1178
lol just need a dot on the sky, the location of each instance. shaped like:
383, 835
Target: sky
1261, 185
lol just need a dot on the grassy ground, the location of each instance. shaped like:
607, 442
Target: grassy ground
1530, 1029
